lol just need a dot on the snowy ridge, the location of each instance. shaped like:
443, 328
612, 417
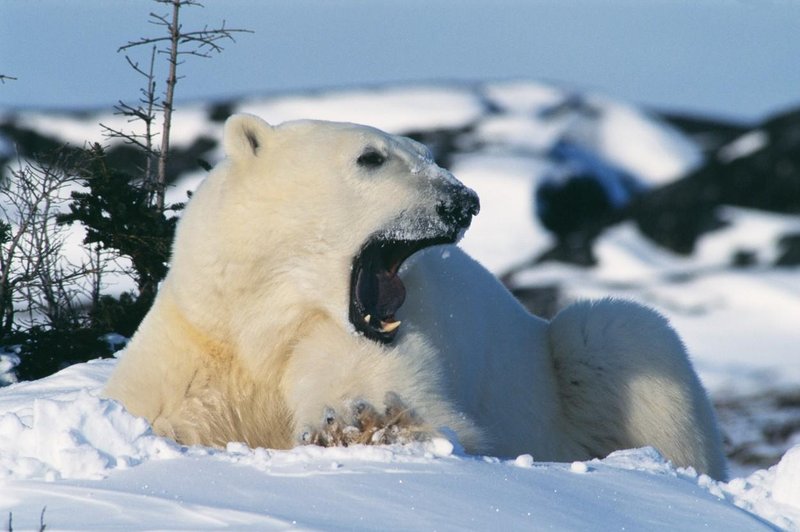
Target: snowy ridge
83, 456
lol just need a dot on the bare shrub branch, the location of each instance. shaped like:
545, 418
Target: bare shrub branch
38, 283
176, 43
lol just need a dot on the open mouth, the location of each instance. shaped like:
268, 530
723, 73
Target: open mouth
376, 291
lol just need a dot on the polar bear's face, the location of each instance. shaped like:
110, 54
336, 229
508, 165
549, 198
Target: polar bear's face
345, 206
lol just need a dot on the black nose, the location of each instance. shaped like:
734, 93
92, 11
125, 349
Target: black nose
460, 207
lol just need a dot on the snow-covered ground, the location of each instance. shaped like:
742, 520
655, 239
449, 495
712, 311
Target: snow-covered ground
95, 467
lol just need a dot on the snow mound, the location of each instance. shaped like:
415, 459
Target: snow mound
532, 117
642, 145
786, 488
773, 494
63, 447
85, 437
394, 109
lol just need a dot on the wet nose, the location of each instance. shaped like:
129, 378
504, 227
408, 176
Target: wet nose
462, 205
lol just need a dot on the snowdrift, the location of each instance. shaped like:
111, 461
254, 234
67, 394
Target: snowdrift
93, 466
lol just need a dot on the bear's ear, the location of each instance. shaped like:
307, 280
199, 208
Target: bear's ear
245, 135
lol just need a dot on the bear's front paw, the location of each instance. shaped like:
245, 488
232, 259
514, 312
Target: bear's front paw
361, 423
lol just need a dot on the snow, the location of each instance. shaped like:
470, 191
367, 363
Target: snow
519, 132
785, 488
8, 361
94, 466
643, 147
748, 230
579, 467
534, 116
773, 494
505, 187
82, 437
524, 97
750, 142
393, 109
87, 129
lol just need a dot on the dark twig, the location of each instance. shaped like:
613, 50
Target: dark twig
176, 43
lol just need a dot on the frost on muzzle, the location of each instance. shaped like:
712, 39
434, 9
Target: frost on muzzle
376, 291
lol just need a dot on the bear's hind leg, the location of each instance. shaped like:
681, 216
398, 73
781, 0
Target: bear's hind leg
625, 381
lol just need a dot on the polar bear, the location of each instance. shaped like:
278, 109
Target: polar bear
279, 322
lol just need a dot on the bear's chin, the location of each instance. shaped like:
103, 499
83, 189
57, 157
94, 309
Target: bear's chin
376, 291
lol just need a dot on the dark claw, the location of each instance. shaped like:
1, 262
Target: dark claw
394, 405
360, 406
366, 425
366, 418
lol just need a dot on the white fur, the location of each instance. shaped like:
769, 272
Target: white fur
603, 376
249, 338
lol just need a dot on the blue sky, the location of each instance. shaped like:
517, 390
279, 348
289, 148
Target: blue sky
734, 58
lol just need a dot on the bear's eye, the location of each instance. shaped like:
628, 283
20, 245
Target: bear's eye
371, 159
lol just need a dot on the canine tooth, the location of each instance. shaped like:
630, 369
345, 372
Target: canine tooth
389, 327
367, 318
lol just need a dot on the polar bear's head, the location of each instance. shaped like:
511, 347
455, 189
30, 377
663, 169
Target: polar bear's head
322, 214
